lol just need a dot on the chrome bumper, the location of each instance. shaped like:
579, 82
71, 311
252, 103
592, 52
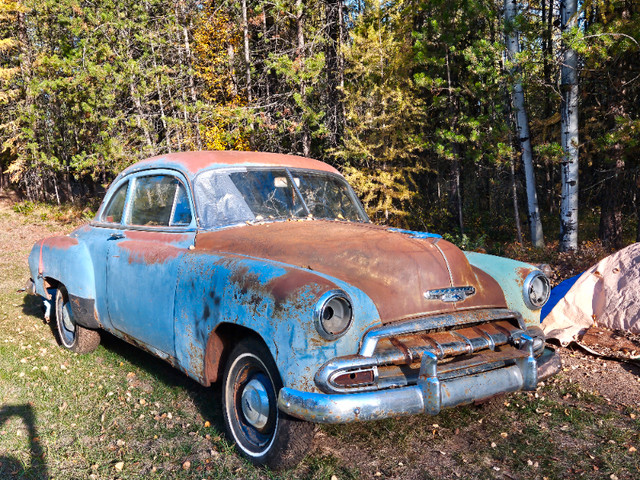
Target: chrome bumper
430, 395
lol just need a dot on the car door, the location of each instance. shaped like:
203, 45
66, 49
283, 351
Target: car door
143, 258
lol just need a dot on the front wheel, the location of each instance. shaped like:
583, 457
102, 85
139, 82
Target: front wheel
250, 389
72, 336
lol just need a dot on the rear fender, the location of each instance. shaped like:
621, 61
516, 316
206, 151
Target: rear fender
65, 260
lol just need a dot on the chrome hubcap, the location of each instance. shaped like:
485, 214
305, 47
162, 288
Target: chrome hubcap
66, 319
255, 403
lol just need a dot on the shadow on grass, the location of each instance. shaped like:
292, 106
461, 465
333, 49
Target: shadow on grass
12, 467
206, 399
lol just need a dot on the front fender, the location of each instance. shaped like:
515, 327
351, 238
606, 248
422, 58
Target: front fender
510, 274
274, 300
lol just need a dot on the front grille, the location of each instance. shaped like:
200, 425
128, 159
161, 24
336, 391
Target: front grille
390, 355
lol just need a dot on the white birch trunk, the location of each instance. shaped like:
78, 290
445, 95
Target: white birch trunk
522, 125
306, 137
569, 134
247, 53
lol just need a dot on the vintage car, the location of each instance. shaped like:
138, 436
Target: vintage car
262, 271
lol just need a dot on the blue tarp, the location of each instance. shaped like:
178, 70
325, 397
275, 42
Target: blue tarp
557, 293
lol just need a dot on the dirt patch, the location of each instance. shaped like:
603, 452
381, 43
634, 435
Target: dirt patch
618, 382
18, 234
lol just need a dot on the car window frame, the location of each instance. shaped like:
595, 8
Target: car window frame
126, 214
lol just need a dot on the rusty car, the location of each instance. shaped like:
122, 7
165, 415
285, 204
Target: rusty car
263, 272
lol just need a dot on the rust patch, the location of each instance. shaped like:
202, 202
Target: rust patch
61, 243
212, 356
286, 285
403, 348
82, 229
192, 162
488, 292
149, 253
394, 270
156, 236
521, 275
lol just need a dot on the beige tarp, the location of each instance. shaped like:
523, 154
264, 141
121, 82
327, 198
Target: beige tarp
607, 294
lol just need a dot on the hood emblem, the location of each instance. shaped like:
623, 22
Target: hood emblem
456, 294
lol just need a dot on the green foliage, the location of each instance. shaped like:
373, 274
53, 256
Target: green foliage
384, 114
464, 242
408, 98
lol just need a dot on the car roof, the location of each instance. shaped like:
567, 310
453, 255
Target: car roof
190, 163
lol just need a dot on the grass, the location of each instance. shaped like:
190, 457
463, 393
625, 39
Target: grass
121, 413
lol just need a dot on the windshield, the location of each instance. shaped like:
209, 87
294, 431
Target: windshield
254, 195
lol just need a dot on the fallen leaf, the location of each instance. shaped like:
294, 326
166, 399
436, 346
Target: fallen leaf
119, 466
186, 465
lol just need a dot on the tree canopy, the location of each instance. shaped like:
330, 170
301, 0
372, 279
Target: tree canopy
410, 99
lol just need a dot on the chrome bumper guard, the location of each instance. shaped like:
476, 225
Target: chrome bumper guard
429, 396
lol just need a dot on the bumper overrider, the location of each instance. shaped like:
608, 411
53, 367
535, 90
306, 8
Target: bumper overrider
425, 365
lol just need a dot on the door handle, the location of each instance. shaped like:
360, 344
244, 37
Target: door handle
116, 236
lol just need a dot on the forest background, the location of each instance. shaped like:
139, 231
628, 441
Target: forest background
411, 99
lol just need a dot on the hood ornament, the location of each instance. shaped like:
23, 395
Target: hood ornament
455, 294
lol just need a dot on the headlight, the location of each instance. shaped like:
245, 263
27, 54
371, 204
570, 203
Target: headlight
333, 314
536, 290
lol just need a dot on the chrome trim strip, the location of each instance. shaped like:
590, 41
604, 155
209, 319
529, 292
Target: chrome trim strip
372, 337
446, 261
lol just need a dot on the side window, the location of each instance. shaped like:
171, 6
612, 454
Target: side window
159, 200
113, 212
181, 210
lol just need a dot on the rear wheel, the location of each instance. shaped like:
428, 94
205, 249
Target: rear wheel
250, 389
72, 336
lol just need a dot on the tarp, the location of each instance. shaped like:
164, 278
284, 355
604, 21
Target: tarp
608, 295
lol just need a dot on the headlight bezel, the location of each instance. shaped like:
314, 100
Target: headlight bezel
527, 290
331, 299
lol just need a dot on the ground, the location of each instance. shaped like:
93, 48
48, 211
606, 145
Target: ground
120, 413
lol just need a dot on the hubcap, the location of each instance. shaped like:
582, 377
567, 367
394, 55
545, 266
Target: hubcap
255, 403
66, 319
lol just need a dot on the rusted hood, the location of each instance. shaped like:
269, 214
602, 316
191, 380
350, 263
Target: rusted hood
393, 269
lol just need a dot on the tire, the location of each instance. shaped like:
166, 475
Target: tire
262, 434
72, 336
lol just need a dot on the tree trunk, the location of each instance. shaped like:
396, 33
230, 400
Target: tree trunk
522, 126
455, 200
610, 231
569, 134
638, 206
306, 137
190, 62
247, 53
516, 210
333, 11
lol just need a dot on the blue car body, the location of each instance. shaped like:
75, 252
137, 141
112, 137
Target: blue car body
188, 291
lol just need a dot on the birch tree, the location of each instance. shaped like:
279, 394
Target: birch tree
569, 131
522, 122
